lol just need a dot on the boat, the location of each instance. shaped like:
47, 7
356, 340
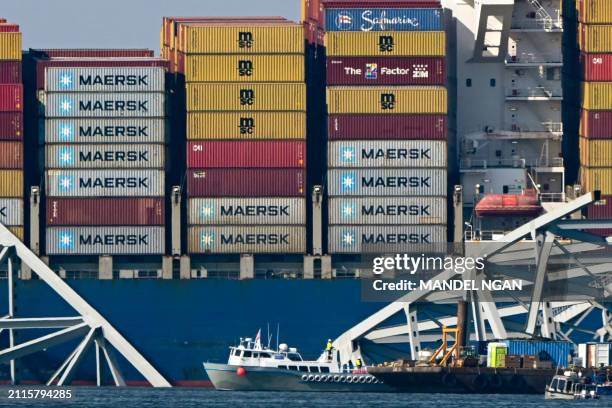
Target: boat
571, 386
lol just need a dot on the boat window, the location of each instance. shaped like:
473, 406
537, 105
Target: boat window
282, 367
294, 357
561, 386
265, 355
236, 352
293, 368
304, 368
569, 385
325, 369
255, 355
554, 383
315, 369
246, 353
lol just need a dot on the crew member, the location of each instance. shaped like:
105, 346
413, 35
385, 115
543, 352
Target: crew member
358, 363
328, 348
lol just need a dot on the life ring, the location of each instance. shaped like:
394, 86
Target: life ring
449, 379
480, 382
369, 379
317, 378
336, 378
310, 377
350, 380
324, 378
496, 381
362, 379
304, 377
343, 379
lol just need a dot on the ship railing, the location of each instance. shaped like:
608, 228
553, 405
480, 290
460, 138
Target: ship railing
555, 127
532, 59
550, 162
534, 92
544, 24
484, 235
552, 197
484, 164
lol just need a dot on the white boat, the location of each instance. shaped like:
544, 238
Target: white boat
571, 386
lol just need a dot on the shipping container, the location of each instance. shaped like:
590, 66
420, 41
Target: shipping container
244, 68
247, 125
246, 97
246, 183
595, 38
94, 53
404, 99
105, 211
18, 232
386, 182
387, 153
10, 72
11, 211
596, 124
247, 211
10, 46
11, 125
11, 155
392, 44
595, 11
343, 4
595, 355
596, 67
87, 104
387, 210
95, 79
597, 95
593, 179
105, 156
380, 127
386, 71
105, 183
11, 183
247, 240
119, 240
103, 130
601, 209
11, 98
558, 352
595, 153
9, 28
381, 19
380, 239
250, 154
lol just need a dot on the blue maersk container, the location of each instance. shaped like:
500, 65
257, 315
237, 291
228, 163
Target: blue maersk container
381, 19
555, 351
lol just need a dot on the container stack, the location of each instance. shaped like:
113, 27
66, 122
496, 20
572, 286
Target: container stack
387, 126
595, 40
11, 130
104, 136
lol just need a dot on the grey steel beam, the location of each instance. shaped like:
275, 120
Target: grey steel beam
544, 244
112, 363
39, 322
77, 358
61, 368
584, 224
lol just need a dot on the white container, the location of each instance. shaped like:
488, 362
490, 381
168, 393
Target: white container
247, 211
381, 239
105, 183
105, 240
104, 131
105, 156
595, 354
247, 240
387, 210
104, 79
11, 212
104, 105
387, 182
387, 153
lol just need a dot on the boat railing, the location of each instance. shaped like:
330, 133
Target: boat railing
484, 164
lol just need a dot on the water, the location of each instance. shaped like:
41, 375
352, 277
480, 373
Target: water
186, 398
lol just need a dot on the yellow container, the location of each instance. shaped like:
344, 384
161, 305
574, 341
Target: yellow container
11, 183
17, 231
10, 46
597, 179
247, 126
597, 95
385, 43
246, 97
595, 11
595, 38
242, 39
378, 99
595, 152
244, 68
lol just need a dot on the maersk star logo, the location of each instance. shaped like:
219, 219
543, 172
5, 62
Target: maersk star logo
348, 238
66, 80
65, 106
207, 210
347, 181
66, 239
66, 183
66, 156
347, 154
66, 131
348, 210
207, 240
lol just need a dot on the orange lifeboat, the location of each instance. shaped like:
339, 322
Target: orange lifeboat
508, 205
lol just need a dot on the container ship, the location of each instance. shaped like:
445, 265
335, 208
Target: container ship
243, 178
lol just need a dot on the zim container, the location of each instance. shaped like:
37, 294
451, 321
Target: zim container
247, 125
250, 154
595, 38
99, 79
11, 98
596, 67
10, 46
382, 19
11, 125
99, 156
244, 68
247, 211
11, 183
11, 155
105, 183
377, 127
381, 239
387, 153
386, 182
595, 11
405, 99
595, 153
105, 211
391, 44
10, 72
246, 183
87, 104
387, 210
229, 239
93, 130
11, 211
597, 95
593, 179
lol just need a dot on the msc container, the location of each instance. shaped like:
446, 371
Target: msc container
246, 97
596, 67
105, 183
247, 125
105, 211
595, 153
103, 130
595, 38
253, 154
405, 99
387, 182
386, 71
10, 46
594, 179
387, 153
11, 98
382, 19
595, 355
246, 183
392, 44
380, 127
11, 211
11, 183
601, 209
244, 68
10, 72
11, 155
380, 239
596, 124
247, 211
387, 210
96, 79
556, 351
247, 240
595, 11
597, 95
100, 156
120, 240
11, 125
88, 104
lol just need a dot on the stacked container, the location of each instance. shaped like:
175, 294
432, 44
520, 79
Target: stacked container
104, 136
595, 38
387, 126
11, 130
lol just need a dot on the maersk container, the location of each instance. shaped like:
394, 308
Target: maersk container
593, 179
386, 71
120, 240
11, 211
244, 68
387, 153
105, 183
595, 11
381, 239
390, 100
597, 95
595, 153
387, 182
11, 183
105, 211
595, 38
596, 67
11, 155
380, 127
104, 130
247, 154
596, 124
558, 352
229, 239
246, 126
387, 210
104, 105
98, 79
10, 72
246, 183
11, 98
383, 19
11, 125
10, 46
109, 156
389, 43
246, 97
247, 211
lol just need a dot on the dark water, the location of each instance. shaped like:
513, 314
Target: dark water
147, 397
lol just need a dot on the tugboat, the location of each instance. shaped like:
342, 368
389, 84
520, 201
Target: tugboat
570, 386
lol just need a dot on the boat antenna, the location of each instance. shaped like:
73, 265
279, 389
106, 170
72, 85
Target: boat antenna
269, 336
277, 334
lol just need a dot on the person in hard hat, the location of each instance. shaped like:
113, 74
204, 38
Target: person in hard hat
358, 363
329, 348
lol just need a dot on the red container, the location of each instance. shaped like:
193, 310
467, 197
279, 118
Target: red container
600, 210
596, 67
386, 71
246, 183
9, 28
11, 125
381, 4
248, 154
596, 124
11, 155
10, 72
11, 98
92, 53
105, 211
380, 127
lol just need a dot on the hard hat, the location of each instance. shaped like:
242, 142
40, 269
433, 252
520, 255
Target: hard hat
328, 339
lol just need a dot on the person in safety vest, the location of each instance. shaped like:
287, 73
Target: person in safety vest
329, 348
